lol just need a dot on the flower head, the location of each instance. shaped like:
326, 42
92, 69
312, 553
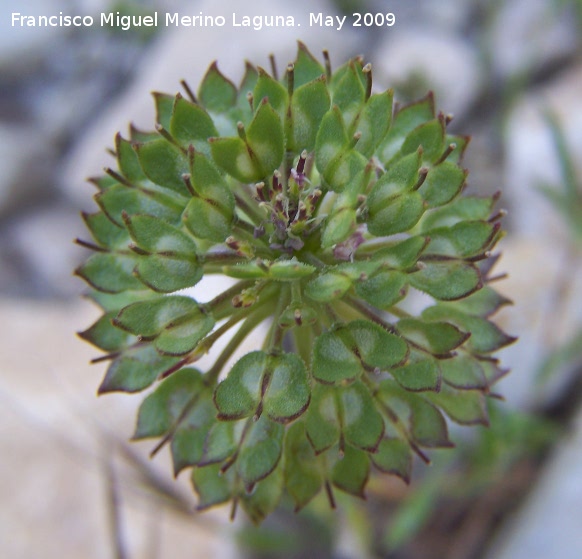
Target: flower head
329, 207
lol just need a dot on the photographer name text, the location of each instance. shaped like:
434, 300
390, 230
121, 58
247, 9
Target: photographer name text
175, 19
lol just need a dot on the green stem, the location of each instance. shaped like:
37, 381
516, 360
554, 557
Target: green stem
313, 260
222, 259
400, 427
296, 295
330, 311
346, 312
249, 208
373, 386
368, 312
325, 320
214, 268
289, 157
274, 338
398, 312
316, 329
303, 337
324, 205
246, 230
371, 245
238, 337
205, 345
226, 296
172, 431
221, 306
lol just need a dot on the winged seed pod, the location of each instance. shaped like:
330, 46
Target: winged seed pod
327, 205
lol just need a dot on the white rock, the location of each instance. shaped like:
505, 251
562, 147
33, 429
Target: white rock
24, 162
531, 157
185, 53
78, 74
450, 15
535, 268
22, 47
529, 34
539, 257
433, 60
56, 440
44, 240
549, 523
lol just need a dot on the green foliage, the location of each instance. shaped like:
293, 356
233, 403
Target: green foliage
566, 198
512, 439
329, 207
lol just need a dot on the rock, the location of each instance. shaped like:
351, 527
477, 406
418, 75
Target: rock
422, 58
57, 440
450, 16
25, 160
548, 525
82, 72
21, 48
185, 53
539, 253
542, 319
483, 161
42, 243
531, 157
527, 35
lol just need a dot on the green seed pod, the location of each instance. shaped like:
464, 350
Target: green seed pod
328, 206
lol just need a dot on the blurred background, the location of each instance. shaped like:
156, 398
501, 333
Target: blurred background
71, 486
